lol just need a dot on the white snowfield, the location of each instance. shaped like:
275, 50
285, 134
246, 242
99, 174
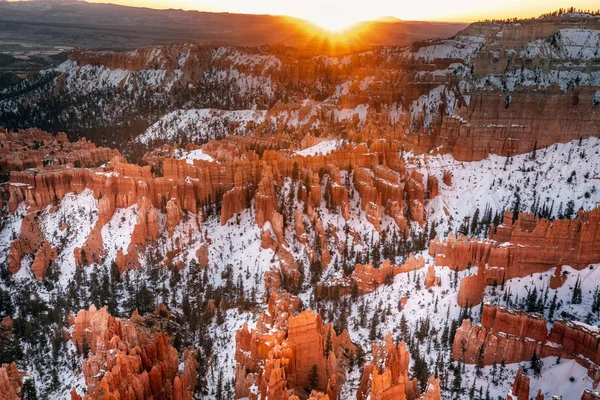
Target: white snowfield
558, 173
462, 47
321, 149
201, 125
574, 44
192, 155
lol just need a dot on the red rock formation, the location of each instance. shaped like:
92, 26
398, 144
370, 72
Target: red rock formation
433, 190
520, 389
512, 337
430, 278
558, 279
125, 361
29, 241
386, 378
11, 382
367, 278
470, 291
34, 148
447, 178
515, 250
43, 258
279, 354
173, 216
506, 335
234, 201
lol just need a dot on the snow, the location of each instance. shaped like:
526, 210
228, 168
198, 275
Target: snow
322, 148
116, 234
237, 245
426, 107
267, 63
347, 114
575, 44
519, 288
201, 125
463, 47
495, 180
190, 156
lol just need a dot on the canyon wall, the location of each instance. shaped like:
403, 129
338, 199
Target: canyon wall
520, 248
513, 336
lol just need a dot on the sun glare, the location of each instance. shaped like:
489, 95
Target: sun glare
334, 23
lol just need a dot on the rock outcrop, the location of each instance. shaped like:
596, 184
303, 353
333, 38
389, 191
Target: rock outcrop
279, 354
386, 378
513, 336
43, 258
126, 361
520, 388
11, 382
367, 278
517, 249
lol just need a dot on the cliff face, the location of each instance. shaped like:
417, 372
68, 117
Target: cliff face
512, 337
280, 353
520, 388
126, 361
517, 249
517, 98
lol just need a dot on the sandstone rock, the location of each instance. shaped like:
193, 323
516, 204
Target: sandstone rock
279, 354
11, 381
173, 216
430, 278
126, 361
520, 389
517, 249
386, 378
43, 258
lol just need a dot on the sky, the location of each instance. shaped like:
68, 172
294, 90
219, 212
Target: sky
344, 12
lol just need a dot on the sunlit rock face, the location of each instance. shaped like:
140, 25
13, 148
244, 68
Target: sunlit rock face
519, 248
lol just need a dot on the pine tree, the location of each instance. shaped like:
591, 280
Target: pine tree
373, 330
28, 390
219, 390
576, 295
457, 381
479, 364
552, 308
328, 344
536, 364
475, 222
313, 378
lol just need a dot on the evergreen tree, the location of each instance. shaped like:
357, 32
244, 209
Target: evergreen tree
219, 395
28, 390
576, 295
313, 378
475, 222
480, 363
457, 381
328, 344
536, 364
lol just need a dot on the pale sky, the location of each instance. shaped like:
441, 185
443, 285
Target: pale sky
343, 12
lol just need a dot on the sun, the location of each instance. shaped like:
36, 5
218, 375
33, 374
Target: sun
335, 23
